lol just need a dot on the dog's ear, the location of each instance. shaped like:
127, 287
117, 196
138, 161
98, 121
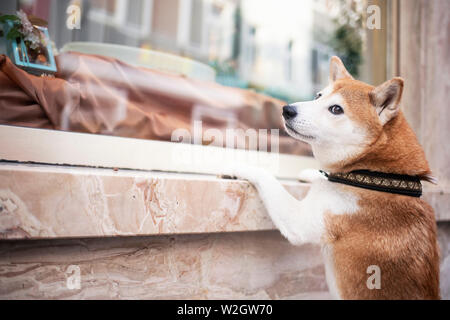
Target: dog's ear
337, 70
386, 99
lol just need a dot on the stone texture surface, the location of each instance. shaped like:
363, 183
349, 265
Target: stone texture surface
236, 265
60, 202
38, 202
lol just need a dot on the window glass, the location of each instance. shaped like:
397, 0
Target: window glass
145, 68
135, 12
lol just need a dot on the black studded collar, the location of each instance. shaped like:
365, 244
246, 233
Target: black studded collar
379, 181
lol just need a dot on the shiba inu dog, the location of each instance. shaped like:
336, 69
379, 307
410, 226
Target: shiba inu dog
365, 211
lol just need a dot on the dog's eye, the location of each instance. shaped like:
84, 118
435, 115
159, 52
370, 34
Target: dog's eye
335, 109
318, 96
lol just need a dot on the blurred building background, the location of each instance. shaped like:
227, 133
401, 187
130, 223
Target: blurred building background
281, 48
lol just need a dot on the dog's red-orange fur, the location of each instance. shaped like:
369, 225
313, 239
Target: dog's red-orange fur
395, 232
393, 147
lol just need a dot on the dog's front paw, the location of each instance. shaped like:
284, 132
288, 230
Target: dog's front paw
226, 176
310, 175
240, 171
227, 172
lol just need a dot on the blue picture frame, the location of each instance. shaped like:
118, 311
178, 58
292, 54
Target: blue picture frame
20, 55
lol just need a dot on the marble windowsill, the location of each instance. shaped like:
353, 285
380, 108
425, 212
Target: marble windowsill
48, 201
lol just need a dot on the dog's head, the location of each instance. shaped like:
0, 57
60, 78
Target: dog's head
345, 117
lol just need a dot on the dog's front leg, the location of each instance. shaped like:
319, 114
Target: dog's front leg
298, 221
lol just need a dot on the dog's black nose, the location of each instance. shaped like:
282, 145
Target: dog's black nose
289, 112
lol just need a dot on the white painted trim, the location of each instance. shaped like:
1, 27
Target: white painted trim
184, 23
142, 30
119, 18
101, 17
95, 150
206, 9
120, 13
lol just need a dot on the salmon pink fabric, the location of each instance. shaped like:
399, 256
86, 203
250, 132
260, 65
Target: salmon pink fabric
101, 95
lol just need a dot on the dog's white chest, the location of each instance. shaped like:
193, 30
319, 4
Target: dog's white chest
328, 257
327, 198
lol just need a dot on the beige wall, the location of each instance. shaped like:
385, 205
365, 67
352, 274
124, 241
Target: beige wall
255, 265
424, 45
165, 18
375, 50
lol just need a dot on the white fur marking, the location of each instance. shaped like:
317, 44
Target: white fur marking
333, 138
310, 175
328, 257
301, 221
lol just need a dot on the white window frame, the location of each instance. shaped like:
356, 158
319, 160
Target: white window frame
46, 146
185, 26
119, 18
